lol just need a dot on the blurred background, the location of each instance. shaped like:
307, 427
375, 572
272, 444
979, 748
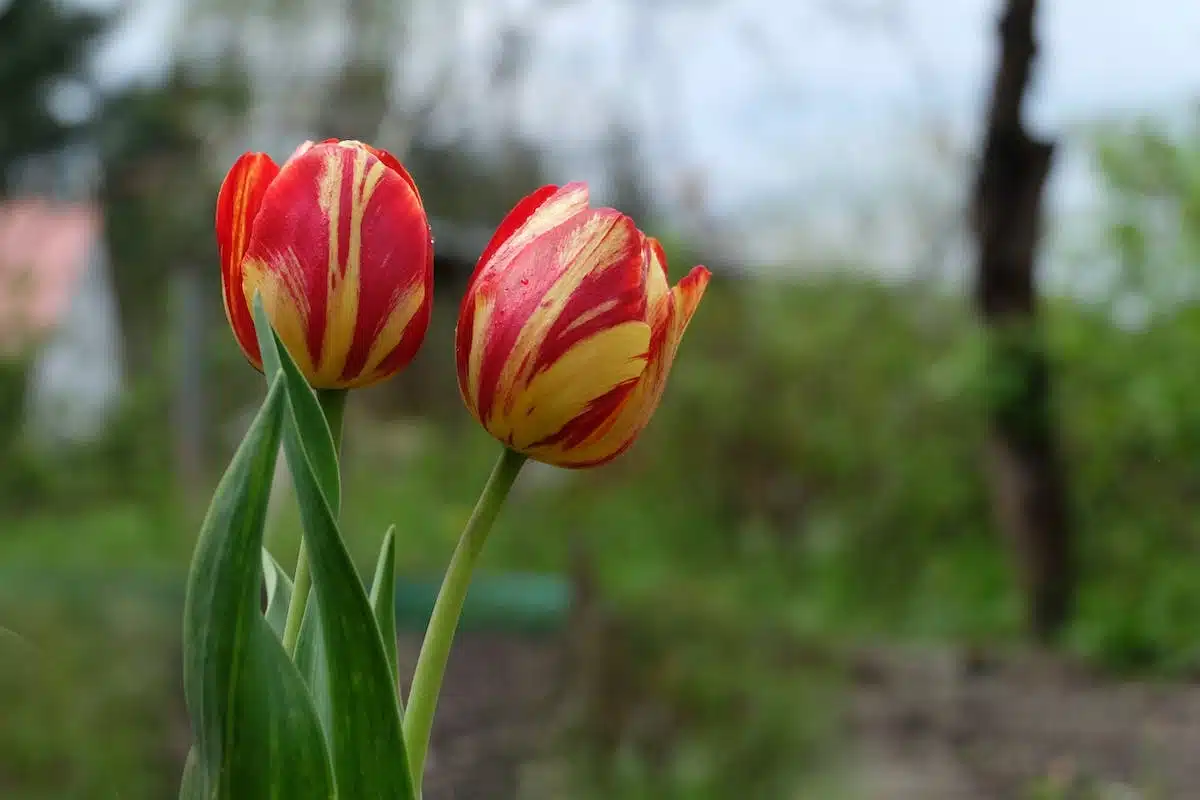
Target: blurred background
915, 519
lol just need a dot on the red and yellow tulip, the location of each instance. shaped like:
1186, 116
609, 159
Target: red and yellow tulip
337, 243
568, 329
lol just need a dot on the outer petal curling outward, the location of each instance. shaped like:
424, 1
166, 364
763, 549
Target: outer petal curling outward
341, 253
616, 434
568, 329
238, 204
560, 328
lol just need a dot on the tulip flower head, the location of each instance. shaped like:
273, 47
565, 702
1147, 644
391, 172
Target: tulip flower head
568, 329
337, 243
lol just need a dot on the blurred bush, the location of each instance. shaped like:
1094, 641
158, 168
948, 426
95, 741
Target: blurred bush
89, 696
14, 377
130, 461
811, 480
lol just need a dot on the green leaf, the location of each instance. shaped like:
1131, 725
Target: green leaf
383, 602
310, 424
310, 660
279, 593
192, 787
256, 731
367, 743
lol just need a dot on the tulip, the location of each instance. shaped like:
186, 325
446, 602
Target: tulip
568, 329
337, 244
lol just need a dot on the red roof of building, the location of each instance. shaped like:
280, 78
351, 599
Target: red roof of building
44, 251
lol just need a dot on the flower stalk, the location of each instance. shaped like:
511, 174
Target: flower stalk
435, 649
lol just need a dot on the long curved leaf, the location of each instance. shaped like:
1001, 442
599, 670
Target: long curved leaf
310, 660
310, 425
194, 783
367, 741
279, 593
256, 731
383, 603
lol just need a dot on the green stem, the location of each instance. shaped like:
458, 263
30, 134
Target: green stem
435, 650
333, 403
301, 585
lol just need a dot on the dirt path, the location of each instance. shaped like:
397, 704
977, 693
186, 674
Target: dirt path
944, 726
495, 716
920, 725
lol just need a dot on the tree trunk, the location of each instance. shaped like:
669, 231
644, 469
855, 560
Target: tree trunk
1024, 464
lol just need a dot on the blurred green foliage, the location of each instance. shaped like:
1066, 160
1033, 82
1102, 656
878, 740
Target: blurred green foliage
812, 480
91, 698
90, 707
1152, 175
130, 461
14, 380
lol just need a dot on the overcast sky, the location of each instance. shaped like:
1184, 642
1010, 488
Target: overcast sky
761, 81
780, 97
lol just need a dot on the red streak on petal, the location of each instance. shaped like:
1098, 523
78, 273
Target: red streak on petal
620, 290
394, 165
600, 410
599, 462
346, 191
238, 204
521, 292
661, 254
292, 233
512, 223
692, 289
395, 255
410, 343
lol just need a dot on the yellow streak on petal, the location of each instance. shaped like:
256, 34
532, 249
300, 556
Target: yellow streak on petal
285, 302
344, 269
656, 278
484, 303
589, 370
557, 209
674, 310
593, 249
591, 314
404, 306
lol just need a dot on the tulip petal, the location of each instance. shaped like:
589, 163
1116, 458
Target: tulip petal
607, 363
583, 280
414, 331
471, 321
394, 164
610, 437
688, 294
527, 222
657, 280
513, 221
238, 204
303, 148
329, 263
